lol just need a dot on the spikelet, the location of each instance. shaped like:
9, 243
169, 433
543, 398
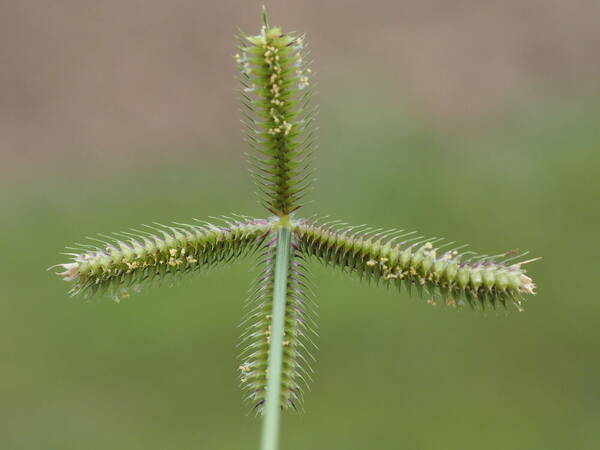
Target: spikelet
405, 260
298, 329
122, 264
278, 117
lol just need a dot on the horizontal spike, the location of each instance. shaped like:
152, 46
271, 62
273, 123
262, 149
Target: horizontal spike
374, 255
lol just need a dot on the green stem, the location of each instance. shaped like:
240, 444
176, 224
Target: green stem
272, 408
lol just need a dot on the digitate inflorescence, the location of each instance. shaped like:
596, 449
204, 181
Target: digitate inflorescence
279, 119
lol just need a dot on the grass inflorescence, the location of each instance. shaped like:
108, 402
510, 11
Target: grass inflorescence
276, 82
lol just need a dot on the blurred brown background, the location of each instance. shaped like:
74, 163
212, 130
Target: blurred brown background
94, 79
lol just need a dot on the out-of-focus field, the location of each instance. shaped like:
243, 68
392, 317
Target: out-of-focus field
475, 121
159, 370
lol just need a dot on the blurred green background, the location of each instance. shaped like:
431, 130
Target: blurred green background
159, 370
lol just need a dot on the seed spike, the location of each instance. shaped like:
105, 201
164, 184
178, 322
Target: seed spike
274, 81
424, 270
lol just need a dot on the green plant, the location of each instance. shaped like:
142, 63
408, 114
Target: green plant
278, 116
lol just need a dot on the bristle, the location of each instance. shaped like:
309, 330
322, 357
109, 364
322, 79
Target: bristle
122, 265
278, 118
447, 277
298, 331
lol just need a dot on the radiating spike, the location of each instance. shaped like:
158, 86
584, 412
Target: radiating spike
419, 266
120, 265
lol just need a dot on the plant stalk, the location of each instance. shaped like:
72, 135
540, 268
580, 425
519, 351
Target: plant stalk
272, 408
